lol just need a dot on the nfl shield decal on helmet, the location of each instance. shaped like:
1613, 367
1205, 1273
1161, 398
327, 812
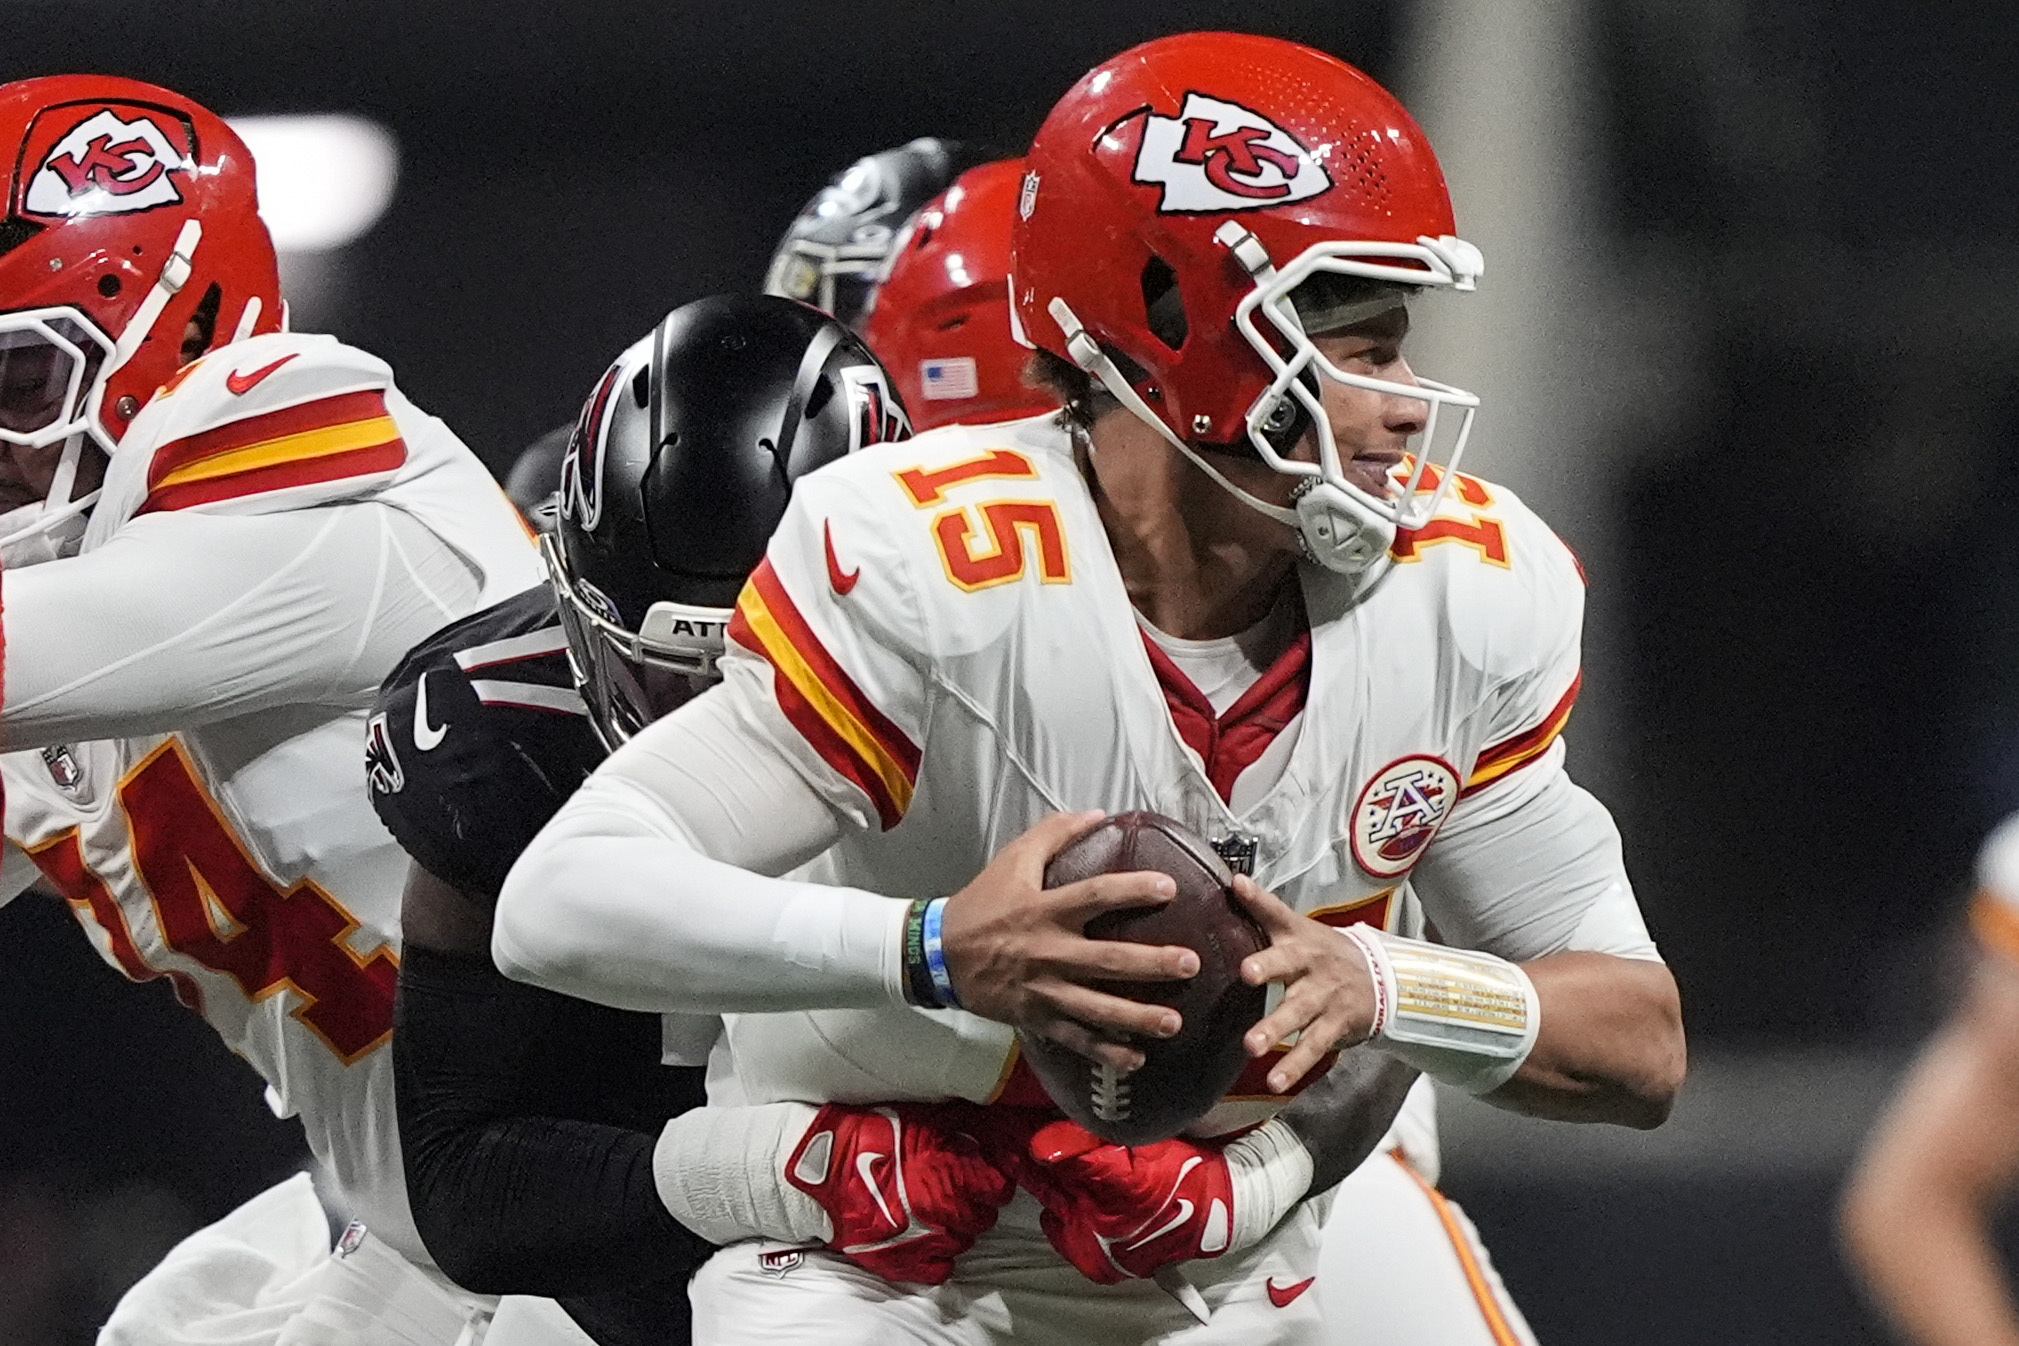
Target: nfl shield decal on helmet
1217, 156
1398, 813
110, 164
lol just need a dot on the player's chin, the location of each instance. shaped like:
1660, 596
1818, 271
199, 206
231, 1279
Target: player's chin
1372, 474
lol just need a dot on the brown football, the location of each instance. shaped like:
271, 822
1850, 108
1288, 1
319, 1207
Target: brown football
1184, 1076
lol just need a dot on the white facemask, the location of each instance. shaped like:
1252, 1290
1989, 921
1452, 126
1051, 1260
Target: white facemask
33, 533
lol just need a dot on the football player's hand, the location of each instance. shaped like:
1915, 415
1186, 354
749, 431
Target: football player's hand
1328, 992
1018, 953
906, 1186
1116, 1211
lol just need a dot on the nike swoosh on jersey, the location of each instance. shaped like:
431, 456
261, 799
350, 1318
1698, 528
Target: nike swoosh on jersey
865, 1169
427, 737
842, 583
1282, 1296
241, 384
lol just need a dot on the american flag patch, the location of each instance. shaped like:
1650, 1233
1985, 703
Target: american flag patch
948, 380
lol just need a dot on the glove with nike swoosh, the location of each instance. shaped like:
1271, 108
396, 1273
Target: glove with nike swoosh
1116, 1211
900, 1189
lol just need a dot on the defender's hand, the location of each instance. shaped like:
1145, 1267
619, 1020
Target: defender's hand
1018, 954
1116, 1211
906, 1186
1328, 993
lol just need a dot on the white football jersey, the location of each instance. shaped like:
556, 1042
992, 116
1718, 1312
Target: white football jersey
947, 653
232, 847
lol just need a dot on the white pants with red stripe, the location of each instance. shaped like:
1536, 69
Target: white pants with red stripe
1011, 1287
1402, 1266
265, 1275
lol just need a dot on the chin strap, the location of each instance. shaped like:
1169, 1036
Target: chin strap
1337, 531
1089, 356
247, 320
174, 275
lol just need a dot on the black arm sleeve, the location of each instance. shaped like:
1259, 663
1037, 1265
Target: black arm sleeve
1342, 1117
528, 1120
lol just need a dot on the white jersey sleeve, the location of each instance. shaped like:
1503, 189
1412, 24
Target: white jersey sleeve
831, 635
1528, 864
267, 535
185, 619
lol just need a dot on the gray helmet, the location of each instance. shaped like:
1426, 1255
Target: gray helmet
833, 253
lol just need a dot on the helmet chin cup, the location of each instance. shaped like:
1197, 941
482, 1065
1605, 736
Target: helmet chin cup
1341, 532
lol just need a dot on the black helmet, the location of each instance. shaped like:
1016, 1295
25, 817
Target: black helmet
834, 251
678, 471
534, 482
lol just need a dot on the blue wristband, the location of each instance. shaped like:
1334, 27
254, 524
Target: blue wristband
935, 955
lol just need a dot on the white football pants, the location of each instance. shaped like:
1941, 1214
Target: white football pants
265, 1275
1402, 1266
1009, 1287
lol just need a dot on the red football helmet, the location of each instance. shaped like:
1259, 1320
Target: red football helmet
940, 321
127, 207
1177, 198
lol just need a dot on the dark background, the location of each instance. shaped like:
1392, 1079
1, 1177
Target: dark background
1806, 611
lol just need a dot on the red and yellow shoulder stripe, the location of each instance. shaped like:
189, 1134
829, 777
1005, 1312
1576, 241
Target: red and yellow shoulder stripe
1517, 752
351, 434
823, 703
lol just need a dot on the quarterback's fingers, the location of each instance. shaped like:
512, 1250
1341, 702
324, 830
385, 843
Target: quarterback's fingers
1296, 1013
1309, 1051
1083, 1041
1046, 838
1270, 912
1079, 902
1119, 960
1278, 962
1106, 1013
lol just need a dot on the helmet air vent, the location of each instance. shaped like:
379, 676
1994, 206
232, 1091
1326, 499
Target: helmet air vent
13, 233
1163, 305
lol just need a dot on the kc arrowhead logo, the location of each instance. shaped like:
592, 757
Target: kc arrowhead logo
108, 165
1218, 156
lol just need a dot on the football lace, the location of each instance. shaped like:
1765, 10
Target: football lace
1110, 1094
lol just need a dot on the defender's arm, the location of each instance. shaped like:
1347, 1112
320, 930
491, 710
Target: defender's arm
528, 1120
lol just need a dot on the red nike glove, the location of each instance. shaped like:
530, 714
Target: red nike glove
906, 1186
1116, 1212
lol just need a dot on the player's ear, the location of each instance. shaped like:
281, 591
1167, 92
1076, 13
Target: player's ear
201, 329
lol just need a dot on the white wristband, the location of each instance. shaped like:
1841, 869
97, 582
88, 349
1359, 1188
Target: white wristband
1271, 1173
721, 1172
1459, 1015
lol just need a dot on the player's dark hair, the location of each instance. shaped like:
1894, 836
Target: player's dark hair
1080, 402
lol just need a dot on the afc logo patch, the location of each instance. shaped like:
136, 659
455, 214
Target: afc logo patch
1216, 156
111, 165
1398, 812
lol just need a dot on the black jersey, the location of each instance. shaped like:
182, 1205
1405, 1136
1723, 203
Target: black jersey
527, 1119
478, 738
